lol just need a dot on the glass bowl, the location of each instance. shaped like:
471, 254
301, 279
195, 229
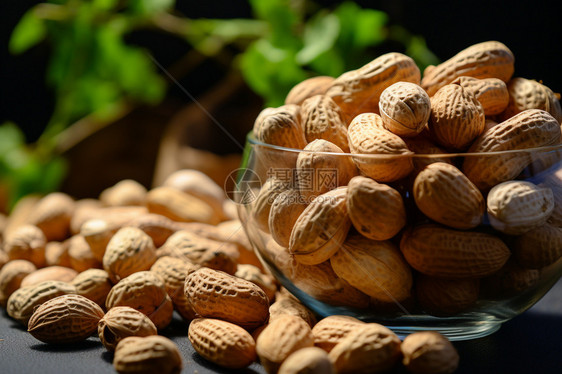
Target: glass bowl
458, 308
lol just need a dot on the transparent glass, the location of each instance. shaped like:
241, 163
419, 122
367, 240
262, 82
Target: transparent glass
501, 296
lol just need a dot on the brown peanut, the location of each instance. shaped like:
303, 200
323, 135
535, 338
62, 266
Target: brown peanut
373, 145
358, 91
441, 252
65, 319
404, 108
145, 292
376, 210
490, 59
147, 354
308, 88
222, 343
215, 294
428, 352
121, 322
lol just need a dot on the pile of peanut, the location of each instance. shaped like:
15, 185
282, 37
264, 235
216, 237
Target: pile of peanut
117, 267
399, 231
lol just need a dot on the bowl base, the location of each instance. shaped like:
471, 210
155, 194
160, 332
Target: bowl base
456, 333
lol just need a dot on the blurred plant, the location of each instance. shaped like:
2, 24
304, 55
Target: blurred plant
97, 76
305, 41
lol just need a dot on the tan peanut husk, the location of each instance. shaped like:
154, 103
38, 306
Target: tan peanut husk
147, 354
358, 91
489, 59
284, 212
515, 207
201, 251
81, 255
331, 330
26, 242
444, 194
427, 352
54, 273
528, 129
123, 193
11, 276
121, 322
441, 297
490, 92
447, 253
457, 117
377, 268
215, 294
280, 338
115, 216
223, 343
510, 280
376, 210
254, 274
56, 254
379, 154
144, 291
129, 250
65, 319
539, 247
180, 206
321, 228
529, 94
321, 118
366, 347
319, 171
52, 215
308, 88
290, 305
25, 300
97, 233
173, 272
261, 206
422, 144
198, 184
404, 108
320, 281
93, 284
310, 360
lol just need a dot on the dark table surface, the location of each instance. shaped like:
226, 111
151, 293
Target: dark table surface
529, 343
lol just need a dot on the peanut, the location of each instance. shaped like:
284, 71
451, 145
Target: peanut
429, 352
308, 88
489, 59
373, 145
367, 348
215, 294
65, 319
121, 322
147, 354
222, 343
404, 108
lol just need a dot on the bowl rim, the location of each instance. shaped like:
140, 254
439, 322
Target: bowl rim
546, 148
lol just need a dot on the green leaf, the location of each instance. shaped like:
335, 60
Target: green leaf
147, 7
10, 137
28, 32
360, 27
417, 49
105, 4
329, 63
270, 71
320, 34
283, 17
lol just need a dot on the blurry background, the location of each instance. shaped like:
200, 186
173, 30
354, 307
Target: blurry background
95, 91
